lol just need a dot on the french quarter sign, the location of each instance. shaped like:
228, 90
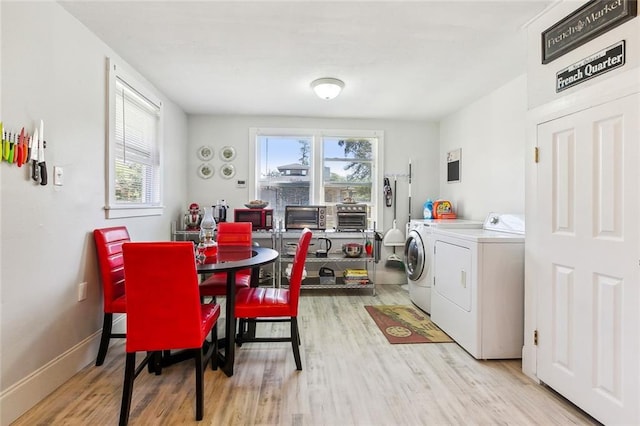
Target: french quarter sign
599, 63
586, 23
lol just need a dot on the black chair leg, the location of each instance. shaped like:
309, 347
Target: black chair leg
155, 363
199, 384
214, 342
127, 389
295, 342
104, 340
241, 326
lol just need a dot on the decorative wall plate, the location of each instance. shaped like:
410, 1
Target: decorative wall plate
228, 171
205, 170
227, 153
205, 153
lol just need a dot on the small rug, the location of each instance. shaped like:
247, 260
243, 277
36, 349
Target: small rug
406, 324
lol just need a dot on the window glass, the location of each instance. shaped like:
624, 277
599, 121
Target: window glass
347, 170
283, 178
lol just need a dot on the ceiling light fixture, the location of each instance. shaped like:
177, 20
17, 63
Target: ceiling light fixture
327, 88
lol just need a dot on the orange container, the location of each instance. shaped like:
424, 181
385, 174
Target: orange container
443, 209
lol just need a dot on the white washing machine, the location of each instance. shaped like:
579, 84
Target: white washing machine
478, 291
418, 256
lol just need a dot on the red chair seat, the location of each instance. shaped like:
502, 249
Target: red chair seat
119, 305
209, 315
262, 302
216, 284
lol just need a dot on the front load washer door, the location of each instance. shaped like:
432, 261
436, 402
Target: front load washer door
414, 255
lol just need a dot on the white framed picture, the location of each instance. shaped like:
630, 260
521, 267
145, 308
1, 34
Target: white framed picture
205, 153
228, 171
205, 170
227, 153
453, 165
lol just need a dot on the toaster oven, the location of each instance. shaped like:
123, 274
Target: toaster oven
300, 217
351, 217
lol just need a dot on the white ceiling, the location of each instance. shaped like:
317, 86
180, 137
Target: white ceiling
398, 59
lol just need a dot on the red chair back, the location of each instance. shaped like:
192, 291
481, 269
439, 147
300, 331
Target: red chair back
295, 281
234, 233
109, 248
163, 299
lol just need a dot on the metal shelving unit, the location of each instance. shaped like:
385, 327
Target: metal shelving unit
335, 258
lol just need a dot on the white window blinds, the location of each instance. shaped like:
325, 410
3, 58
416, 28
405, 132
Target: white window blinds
137, 160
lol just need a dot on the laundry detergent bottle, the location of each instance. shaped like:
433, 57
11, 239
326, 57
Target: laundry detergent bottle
427, 212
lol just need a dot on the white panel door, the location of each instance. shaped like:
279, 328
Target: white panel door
588, 279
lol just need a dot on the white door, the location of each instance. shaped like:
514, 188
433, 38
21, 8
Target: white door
587, 260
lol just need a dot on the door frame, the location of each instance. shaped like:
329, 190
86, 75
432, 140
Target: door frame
618, 85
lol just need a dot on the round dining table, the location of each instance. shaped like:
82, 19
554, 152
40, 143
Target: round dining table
230, 259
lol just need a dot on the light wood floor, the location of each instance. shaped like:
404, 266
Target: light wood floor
351, 376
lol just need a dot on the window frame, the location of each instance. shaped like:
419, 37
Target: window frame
316, 169
113, 208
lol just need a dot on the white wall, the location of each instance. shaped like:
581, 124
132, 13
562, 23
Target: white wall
491, 133
402, 139
53, 69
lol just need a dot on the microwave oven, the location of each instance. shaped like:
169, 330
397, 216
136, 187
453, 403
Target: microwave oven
261, 219
300, 217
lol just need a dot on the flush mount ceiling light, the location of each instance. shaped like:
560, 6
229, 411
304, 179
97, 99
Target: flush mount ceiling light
327, 88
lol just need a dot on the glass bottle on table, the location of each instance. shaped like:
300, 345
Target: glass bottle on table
207, 246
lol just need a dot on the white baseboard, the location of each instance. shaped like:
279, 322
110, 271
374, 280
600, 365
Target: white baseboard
529, 359
23, 395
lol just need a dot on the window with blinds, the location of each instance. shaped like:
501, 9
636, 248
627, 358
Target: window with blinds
134, 178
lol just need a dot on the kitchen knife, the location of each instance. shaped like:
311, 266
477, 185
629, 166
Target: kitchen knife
5, 146
41, 163
35, 171
25, 148
12, 147
18, 150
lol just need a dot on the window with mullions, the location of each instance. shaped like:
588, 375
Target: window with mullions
314, 168
134, 170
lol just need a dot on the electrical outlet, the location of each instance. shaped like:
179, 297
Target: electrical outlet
58, 175
82, 291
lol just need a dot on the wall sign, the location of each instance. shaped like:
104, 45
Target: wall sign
453, 165
599, 63
586, 23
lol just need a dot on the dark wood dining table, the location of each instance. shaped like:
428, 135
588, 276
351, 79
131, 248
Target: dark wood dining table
230, 259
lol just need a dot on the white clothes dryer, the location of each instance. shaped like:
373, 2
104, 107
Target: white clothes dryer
478, 290
418, 256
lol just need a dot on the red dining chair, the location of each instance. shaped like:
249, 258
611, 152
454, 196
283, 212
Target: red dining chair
261, 304
109, 248
174, 319
233, 234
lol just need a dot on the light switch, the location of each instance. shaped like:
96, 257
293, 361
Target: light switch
58, 174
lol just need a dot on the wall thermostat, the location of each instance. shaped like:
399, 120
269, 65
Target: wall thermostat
241, 183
